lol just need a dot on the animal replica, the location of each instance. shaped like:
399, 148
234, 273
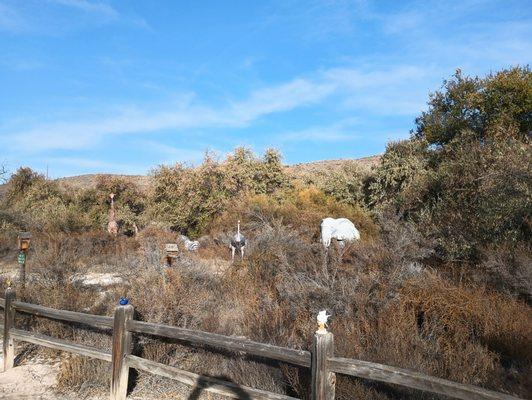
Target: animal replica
340, 229
238, 242
322, 319
190, 245
112, 226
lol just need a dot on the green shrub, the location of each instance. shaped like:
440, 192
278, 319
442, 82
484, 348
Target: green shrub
187, 199
464, 176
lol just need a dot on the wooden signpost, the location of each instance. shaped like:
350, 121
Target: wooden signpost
172, 251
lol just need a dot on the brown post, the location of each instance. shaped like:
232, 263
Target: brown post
323, 380
9, 322
121, 348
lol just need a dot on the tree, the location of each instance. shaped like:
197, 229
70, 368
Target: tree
486, 107
3, 173
464, 175
21, 181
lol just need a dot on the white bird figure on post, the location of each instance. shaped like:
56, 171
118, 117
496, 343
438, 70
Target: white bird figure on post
322, 319
238, 242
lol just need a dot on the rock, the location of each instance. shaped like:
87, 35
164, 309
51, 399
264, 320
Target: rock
97, 280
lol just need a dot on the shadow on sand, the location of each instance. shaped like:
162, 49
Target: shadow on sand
204, 383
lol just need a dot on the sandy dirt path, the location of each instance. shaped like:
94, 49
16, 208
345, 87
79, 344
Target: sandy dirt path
32, 380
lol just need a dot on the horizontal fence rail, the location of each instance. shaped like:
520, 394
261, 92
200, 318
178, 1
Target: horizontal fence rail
411, 379
283, 354
321, 360
95, 321
60, 344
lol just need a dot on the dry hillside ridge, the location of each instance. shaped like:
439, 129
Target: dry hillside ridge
88, 181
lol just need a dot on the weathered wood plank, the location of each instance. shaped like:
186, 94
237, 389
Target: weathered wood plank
9, 324
200, 382
97, 321
121, 348
323, 380
292, 356
60, 344
412, 379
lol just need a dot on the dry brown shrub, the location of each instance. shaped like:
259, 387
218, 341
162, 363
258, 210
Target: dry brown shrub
301, 209
447, 330
82, 374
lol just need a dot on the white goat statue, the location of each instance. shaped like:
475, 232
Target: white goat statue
340, 229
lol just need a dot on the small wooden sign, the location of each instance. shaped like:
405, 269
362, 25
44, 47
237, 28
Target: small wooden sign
23, 240
172, 250
171, 247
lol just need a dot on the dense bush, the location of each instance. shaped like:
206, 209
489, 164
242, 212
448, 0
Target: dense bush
188, 199
464, 177
497, 106
344, 182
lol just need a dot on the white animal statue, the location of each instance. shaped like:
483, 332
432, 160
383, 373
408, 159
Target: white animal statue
190, 245
322, 319
340, 229
238, 242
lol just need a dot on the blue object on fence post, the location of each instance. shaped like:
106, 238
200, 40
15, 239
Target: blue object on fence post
123, 301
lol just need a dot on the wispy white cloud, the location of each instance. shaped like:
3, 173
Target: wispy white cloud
46, 18
390, 90
89, 6
284, 97
11, 20
173, 154
20, 64
342, 131
80, 165
396, 90
79, 134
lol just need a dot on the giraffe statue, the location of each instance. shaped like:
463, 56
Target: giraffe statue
112, 226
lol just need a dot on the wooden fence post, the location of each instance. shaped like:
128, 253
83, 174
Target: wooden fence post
121, 348
323, 380
9, 322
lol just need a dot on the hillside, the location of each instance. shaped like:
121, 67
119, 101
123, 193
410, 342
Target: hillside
88, 181
325, 167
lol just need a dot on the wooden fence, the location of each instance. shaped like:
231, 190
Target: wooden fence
321, 359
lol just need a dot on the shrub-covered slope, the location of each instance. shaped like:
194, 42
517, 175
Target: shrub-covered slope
440, 281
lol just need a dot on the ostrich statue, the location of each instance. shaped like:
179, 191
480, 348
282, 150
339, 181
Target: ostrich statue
238, 242
112, 226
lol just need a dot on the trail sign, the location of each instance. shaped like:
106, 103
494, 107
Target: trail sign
171, 248
172, 251
21, 257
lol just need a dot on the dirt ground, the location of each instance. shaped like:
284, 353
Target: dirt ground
32, 379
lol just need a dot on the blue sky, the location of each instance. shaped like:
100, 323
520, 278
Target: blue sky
123, 86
